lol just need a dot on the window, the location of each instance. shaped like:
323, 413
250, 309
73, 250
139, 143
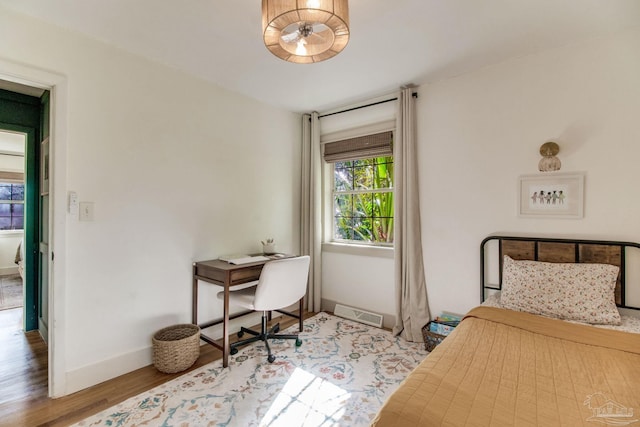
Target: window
11, 206
363, 200
362, 190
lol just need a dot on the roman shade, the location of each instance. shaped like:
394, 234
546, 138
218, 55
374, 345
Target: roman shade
361, 147
11, 176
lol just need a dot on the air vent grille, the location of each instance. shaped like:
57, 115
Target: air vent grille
366, 317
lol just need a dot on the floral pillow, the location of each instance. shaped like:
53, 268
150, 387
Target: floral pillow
580, 292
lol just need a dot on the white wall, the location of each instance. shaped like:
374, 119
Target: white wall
359, 278
176, 169
480, 131
9, 241
477, 133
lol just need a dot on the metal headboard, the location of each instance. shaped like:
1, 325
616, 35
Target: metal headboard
558, 250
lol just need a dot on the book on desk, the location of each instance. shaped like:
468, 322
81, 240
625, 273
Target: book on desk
237, 259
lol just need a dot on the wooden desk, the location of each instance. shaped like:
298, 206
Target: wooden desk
227, 275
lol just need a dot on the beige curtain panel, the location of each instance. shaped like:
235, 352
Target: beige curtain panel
412, 306
311, 207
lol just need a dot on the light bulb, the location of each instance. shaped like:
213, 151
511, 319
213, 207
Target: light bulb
301, 49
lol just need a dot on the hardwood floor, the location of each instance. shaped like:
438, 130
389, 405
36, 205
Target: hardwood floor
23, 360
23, 381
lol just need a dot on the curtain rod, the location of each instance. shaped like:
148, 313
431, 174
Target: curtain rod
414, 94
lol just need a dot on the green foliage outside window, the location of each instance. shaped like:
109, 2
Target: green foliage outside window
363, 200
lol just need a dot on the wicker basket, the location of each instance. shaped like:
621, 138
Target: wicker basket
431, 339
176, 348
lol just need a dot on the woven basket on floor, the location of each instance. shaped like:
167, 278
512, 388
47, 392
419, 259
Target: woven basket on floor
176, 348
431, 339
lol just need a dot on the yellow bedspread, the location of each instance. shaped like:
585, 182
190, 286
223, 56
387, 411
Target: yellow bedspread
505, 368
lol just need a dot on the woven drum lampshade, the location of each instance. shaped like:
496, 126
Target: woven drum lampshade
305, 31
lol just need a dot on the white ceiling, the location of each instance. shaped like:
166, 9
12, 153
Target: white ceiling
392, 42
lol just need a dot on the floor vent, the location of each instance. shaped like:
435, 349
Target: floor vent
367, 317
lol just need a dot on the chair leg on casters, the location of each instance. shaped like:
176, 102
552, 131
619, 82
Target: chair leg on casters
273, 333
257, 336
264, 335
244, 330
270, 357
289, 337
267, 335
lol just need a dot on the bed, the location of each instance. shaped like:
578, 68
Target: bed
554, 343
19, 259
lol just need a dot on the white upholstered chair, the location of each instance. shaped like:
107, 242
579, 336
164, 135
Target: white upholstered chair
282, 283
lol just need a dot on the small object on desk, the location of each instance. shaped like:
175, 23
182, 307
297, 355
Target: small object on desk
242, 258
268, 246
229, 258
276, 256
248, 259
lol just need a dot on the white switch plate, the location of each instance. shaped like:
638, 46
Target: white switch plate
86, 211
73, 203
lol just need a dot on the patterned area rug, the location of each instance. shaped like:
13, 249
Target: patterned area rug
340, 376
10, 292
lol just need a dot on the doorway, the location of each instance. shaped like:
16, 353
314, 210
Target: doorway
24, 117
12, 204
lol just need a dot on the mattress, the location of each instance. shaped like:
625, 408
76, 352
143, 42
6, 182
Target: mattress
506, 368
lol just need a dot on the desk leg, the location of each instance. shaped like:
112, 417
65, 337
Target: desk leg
225, 329
301, 306
194, 298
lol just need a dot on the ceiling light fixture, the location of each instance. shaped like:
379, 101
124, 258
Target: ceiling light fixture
305, 31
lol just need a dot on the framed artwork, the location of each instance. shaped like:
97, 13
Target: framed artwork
551, 195
44, 167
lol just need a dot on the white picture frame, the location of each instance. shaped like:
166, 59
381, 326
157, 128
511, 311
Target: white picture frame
551, 195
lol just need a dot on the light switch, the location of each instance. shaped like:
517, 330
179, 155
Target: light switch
73, 203
86, 211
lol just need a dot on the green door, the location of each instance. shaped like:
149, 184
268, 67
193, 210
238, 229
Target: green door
43, 228
23, 114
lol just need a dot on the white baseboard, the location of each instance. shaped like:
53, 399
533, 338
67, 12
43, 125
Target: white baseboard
8, 271
90, 375
43, 329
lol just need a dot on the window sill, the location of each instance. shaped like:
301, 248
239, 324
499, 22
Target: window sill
11, 232
360, 250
